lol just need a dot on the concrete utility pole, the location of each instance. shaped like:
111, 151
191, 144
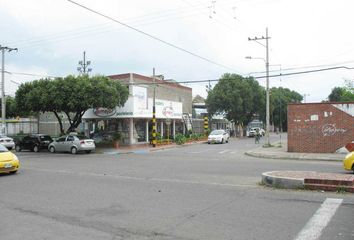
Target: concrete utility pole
267, 85
3, 98
83, 68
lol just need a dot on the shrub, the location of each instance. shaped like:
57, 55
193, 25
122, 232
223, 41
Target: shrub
180, 139
195, 136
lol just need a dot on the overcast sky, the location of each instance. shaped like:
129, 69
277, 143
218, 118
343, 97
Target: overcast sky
51, 36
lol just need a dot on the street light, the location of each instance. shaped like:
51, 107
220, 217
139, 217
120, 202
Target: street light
267, 96
257, 39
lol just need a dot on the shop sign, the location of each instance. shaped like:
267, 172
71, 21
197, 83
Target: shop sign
167, 112
104, 112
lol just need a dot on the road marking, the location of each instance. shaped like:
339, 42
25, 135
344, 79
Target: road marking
204, 151
171, 180
225, 151
314, 227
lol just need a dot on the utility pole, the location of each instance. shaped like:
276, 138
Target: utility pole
304, 95
153, 112
3, 98
267, 84
83, 66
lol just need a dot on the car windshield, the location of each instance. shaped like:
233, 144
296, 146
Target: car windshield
3, 148
217, 132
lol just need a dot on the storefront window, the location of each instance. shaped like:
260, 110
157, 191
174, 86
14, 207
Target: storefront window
140, 130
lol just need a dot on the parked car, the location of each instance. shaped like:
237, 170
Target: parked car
34, 142
73, 144
9, 162
253, 131
348, 162
218, 136
7, 142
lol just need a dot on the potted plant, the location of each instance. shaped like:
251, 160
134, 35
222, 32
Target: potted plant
116, 139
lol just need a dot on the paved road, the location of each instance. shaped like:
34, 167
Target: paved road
196, 192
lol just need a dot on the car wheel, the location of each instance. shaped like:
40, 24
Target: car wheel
88, 151
9, 148
73, 150
52, 149
227, 141
13, 172
222, 141
208, 142
18, 148
35, 148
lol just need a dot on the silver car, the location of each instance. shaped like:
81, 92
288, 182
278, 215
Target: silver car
73, 144
218, 136
7, 142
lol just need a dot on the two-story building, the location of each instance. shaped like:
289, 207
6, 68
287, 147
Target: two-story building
133, 120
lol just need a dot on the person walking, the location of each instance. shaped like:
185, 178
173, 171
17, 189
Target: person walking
257, 137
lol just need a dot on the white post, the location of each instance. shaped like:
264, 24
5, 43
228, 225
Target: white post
3, 98
131, 131
147, 130
161, 128
174, 128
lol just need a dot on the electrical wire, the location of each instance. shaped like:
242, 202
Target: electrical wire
151, 36
83, 31
304, 67
173, 82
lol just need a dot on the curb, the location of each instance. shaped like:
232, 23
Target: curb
291, 157
282, 182
142, 150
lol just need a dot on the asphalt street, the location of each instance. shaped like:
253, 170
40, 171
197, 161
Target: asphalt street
193, 192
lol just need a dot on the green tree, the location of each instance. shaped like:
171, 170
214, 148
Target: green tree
343, 94
239, 98
279, 100
72, 95
11, 110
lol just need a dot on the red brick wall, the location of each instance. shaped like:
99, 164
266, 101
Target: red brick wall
319, 127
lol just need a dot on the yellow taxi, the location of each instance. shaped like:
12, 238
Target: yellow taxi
348, 162
9, 162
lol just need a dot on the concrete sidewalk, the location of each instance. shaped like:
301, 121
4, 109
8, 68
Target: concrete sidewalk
303, 179
280, 152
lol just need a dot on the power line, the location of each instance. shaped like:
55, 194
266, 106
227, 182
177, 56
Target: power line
172, 82
304, 67
151, 36
30, 74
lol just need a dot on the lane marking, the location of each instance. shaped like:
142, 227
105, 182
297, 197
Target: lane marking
172, 180
204, 151
225, 151
314, 227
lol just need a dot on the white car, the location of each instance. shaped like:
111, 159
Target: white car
7, 142
218, 136
72, 143
253, 131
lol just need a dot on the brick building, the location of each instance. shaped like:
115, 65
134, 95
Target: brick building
320, 127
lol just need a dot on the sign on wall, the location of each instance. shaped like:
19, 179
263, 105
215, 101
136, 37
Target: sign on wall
134, 108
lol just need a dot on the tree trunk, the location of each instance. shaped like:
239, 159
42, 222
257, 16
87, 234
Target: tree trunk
75, 122
59, 121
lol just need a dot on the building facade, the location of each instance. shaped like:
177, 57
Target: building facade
320, 127
133, 121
